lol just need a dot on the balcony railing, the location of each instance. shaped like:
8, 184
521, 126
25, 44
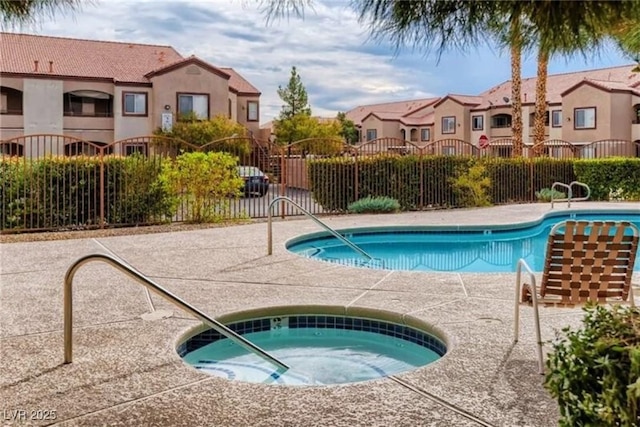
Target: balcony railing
11, 112
81, 114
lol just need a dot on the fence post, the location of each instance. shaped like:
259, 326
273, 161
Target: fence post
102, 195
356, 176
283, 179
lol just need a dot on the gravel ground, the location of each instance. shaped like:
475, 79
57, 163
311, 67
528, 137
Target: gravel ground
124, 231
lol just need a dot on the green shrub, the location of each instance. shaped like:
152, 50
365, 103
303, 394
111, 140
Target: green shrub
610, 174
375, 205
140, 192
332, 182
64, 192
594, 372
546, 194
204, 181
510, 179
471, 186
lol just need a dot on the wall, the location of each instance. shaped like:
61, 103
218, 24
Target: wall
587, 96
130, 126
188, 79
42, 108
242, 110
446, 109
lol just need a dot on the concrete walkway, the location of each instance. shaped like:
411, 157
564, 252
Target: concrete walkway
126, 370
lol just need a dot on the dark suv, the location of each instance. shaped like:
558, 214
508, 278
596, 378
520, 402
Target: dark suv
255, 181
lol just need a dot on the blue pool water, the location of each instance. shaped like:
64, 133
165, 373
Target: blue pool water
479, 249
319, 350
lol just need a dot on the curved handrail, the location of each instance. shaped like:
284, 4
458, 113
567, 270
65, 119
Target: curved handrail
581, 184
315, 219
136, 275
570, 192
561, 184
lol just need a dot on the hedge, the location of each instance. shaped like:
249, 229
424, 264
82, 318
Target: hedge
427, 182
610, 174
64, 192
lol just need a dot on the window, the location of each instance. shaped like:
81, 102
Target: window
477, 122
372, 134
449, 124
425, 134
556, 118
448, 150
135, 104
414, 135
229, 105
4, 103
193, 104
252, 111
501, 121
584, 118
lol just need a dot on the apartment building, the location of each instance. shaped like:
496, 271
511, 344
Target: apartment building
102, 91
582, 107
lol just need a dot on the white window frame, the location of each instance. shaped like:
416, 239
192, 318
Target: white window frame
556, 114
423, 132
587, 122
139, 103
373, 132
199, 105
480, 118
449, 124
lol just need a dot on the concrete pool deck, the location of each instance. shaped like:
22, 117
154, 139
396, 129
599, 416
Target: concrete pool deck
126, 370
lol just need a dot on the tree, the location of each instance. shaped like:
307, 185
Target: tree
18, 12
567, 27
300, 127
294, 96
348, 131
220, 128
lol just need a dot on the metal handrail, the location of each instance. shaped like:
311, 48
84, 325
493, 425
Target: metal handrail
570, 192
136, 275
581, 184
315, 219
561, 184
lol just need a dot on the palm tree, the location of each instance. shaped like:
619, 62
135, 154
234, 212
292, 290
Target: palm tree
568, 27
16, 12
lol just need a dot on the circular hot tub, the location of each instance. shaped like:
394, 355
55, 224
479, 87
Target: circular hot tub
321, 345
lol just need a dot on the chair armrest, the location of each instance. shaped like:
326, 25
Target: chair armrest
532, 278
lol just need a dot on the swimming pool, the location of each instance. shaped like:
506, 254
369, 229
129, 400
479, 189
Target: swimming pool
319, 348
477, 249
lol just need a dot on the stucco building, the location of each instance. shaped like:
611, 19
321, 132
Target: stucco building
582, 107
102, 91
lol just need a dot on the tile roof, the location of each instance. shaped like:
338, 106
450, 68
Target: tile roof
395, 109
557, 84
124, 62
606, 85
98, 59
185, 61
239, 83
427, 119
462, 99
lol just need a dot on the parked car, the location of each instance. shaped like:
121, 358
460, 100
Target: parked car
255, 181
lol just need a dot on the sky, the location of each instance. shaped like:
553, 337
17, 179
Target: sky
340, 65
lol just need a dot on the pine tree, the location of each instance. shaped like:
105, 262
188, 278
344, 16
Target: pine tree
294, 96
